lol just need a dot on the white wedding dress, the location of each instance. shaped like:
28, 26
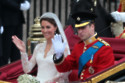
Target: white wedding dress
46, 67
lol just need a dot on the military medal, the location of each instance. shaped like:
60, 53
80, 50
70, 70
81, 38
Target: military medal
91, 70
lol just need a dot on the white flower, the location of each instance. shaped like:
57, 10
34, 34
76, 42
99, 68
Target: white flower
26, 78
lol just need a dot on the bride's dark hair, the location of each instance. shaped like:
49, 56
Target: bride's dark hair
52, 21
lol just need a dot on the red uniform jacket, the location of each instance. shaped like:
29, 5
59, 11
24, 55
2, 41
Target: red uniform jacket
102, 59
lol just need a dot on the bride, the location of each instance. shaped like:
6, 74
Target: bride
43, 52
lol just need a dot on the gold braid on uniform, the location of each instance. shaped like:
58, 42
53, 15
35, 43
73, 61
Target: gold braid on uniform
104, 42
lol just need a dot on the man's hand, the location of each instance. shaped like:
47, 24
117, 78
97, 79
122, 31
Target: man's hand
59, 45
24, 6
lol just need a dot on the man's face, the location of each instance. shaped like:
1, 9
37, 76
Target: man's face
86, 32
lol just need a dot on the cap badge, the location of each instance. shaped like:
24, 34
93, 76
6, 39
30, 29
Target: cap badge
78, 18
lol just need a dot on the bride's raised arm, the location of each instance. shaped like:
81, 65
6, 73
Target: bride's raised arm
28, 65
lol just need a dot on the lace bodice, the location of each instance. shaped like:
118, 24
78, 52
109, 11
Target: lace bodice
46, 67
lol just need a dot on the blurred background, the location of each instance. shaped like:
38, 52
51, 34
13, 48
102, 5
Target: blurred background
61, 7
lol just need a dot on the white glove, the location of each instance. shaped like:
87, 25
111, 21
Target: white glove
59, 45
1, 29
118, 16
24, 6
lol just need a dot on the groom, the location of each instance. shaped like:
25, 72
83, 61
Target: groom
91, 54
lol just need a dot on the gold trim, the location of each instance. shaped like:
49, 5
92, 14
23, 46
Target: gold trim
122, 2
123, 36
35, 33
36, 29
86, 82
37, 39
81, 25
103, 41
4, 82
36, 26
108, 73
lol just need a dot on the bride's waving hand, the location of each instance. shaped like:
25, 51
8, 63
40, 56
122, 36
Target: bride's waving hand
19, 43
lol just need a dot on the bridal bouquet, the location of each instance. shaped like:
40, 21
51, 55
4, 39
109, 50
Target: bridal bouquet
26, 78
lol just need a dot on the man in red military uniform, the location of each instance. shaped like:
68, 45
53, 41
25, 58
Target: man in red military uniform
91, 54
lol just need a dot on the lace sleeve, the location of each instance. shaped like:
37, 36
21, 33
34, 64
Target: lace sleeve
28, 65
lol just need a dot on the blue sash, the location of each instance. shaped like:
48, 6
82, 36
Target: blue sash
88, 54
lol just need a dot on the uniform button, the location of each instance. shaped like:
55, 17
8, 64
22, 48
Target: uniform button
85, 48
82, 73
81, 77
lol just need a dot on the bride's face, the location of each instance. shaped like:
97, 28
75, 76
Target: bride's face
47, 29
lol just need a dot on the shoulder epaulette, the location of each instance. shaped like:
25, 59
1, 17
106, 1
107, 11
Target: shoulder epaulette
104, 42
